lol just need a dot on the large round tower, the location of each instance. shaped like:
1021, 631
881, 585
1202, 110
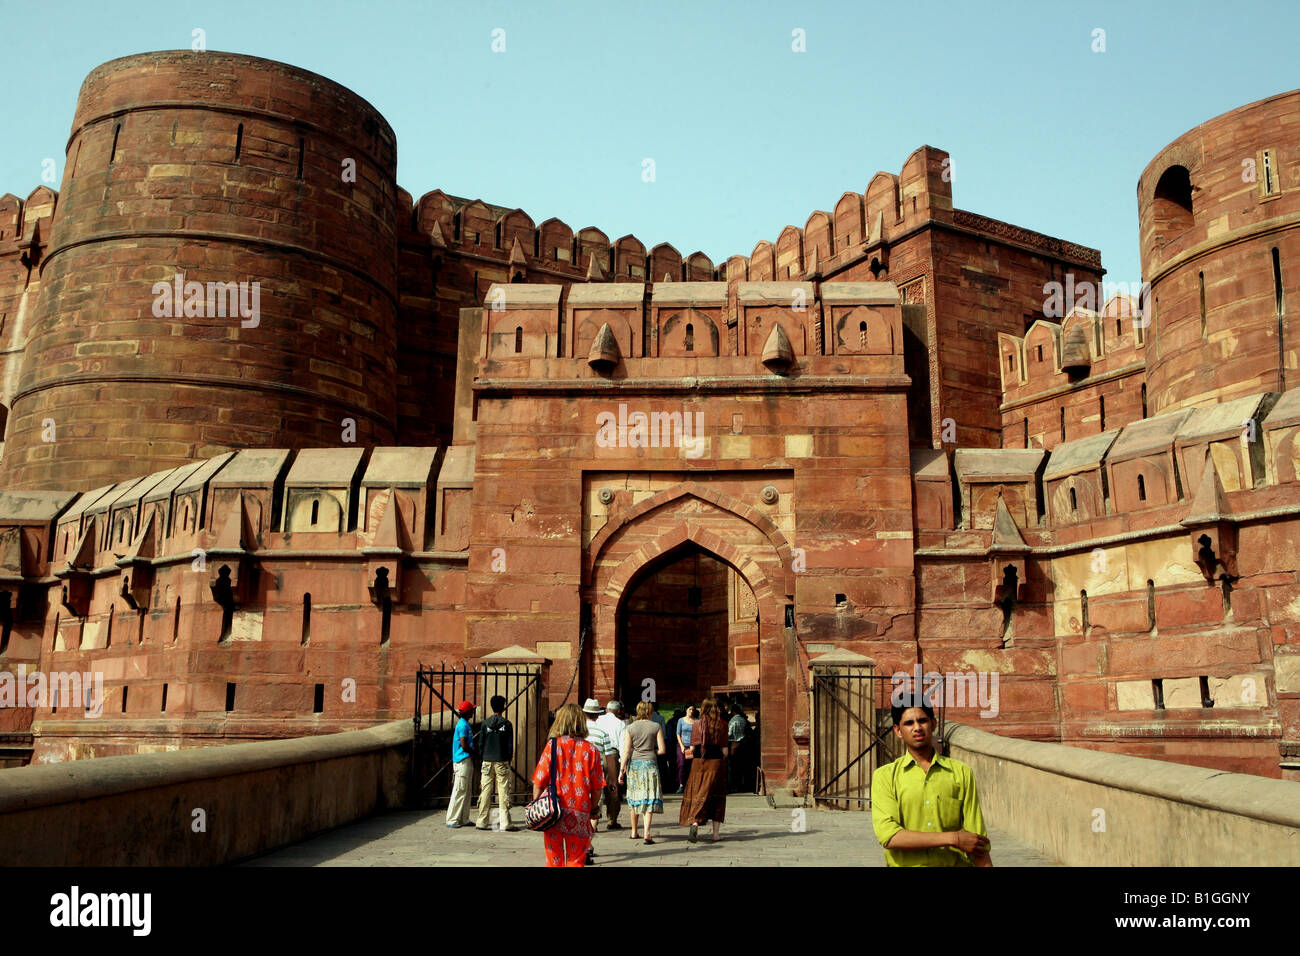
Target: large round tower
221, 274
1219, 209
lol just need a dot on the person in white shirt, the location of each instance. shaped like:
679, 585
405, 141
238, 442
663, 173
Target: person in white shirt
614, 725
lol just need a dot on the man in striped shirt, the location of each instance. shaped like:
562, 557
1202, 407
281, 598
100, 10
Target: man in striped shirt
597, 737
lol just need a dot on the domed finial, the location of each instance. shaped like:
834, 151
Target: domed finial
604, 355
594, 272
778, 355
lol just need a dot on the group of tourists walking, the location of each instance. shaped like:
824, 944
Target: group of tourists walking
592, 753
597, 750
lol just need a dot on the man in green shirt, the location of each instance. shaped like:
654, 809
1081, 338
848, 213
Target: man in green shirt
924, 806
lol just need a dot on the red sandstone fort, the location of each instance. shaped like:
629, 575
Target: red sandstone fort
864, 444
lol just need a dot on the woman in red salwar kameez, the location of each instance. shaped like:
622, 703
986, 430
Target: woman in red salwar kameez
579, 782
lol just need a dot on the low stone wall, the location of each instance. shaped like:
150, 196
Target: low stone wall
200, 807
1088, 808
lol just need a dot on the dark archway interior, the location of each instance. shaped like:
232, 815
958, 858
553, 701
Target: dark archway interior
1172, 203
689, 624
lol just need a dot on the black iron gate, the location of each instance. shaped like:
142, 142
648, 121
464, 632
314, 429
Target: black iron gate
437, 692
852, 733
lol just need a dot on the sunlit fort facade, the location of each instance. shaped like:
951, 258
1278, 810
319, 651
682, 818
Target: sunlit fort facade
453, 433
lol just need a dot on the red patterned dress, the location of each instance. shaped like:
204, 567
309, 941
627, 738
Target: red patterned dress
579, 783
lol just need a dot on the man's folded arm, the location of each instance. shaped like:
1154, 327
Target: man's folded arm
916, 840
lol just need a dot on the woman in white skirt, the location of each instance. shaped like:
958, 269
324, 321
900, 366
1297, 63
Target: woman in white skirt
642, 744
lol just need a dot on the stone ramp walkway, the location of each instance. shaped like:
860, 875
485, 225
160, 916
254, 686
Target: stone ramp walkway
754, 835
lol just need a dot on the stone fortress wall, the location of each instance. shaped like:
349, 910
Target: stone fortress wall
1098, 508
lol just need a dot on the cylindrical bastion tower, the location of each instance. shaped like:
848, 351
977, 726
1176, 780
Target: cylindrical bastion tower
1219, 209
266, 197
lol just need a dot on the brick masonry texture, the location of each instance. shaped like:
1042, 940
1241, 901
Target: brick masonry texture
633, 462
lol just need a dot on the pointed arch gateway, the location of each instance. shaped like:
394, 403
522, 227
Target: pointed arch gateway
682, 540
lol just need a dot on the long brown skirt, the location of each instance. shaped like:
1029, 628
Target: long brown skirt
706, 792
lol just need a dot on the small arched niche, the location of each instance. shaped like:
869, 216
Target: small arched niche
1171, 205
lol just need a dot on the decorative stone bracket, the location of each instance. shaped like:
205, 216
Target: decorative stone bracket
232, 575
228, 582
1007, 553
1008, 580
385, 584
1211, 529
137, 585
1214, 547
137, 568
77, 575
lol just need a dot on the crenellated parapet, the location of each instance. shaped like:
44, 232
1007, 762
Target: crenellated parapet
552, 250
1121, 474
614, 330
228, 589
1080, 376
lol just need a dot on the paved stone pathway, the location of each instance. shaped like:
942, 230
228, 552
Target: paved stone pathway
754, 834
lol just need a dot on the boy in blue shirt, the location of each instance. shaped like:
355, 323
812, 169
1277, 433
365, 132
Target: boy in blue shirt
462, 764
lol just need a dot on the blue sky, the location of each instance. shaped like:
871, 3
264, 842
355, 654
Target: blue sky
746, 134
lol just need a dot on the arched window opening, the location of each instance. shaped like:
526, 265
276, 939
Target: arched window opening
1142, 488
690, 337
315, 510
1074, 500
1172, 204
519, 339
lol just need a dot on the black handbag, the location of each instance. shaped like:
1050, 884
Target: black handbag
544, 812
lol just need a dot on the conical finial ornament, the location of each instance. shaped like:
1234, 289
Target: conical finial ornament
778, 355
604, 354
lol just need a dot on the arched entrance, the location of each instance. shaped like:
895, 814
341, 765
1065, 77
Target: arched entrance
678, 540
687, 628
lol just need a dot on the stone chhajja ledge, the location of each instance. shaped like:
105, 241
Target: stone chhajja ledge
141, 809
1090, 808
